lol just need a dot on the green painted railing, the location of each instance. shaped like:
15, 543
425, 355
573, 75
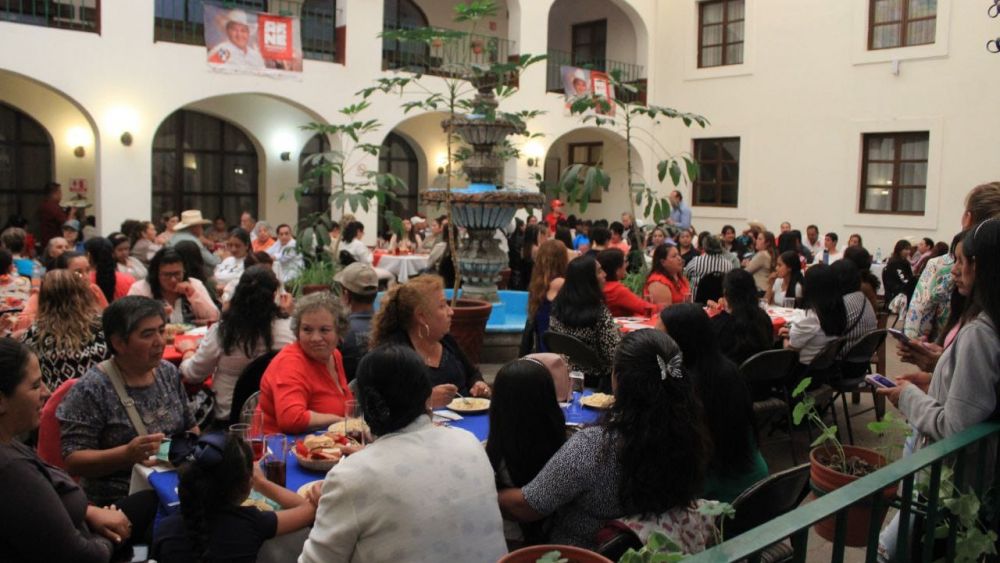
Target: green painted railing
446, 57
80, 15
182, 21
630, 73
866, 491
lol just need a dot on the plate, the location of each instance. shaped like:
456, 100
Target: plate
598, 401
469, 405
636, 326
259, 503
302, 490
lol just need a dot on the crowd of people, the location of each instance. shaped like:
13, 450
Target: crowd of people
86, 321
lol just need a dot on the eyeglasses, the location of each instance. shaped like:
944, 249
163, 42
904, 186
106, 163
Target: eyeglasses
172, 275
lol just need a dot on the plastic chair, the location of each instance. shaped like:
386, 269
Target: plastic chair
579, 352
248, 384
768, 369
249, 406
49, 438
766, 500
709, 288
853, 372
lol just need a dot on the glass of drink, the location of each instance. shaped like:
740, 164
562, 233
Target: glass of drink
788, 302
576, 386
352, 421
255, 435
240, 430
274, 458
688, 298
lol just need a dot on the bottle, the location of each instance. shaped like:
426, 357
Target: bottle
37, 273
878, 255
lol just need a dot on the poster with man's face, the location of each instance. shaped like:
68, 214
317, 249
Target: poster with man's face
579, 82
252, 42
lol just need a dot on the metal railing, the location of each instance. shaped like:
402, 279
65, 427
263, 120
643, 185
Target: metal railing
930, 507
451, 57
183, 21
630, 73
79, 15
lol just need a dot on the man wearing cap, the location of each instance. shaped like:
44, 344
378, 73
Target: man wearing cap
680, 216
191, 228
71, 232
358, 284
237, 49
555, 215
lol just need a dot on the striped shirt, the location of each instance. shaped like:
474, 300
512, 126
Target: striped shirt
857, 305
706, 264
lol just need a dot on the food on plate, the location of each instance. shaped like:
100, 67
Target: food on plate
259, 503
351, 427
469, 404
173, 329
598, 401
305, 488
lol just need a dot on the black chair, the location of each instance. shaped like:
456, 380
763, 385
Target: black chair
345, 258
825, 368
709, 287
766, 500
763, 372
856, 364
615, 539
579, 353
248, 384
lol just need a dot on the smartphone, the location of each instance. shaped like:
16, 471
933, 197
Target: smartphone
899, 335
879, 380
164, 452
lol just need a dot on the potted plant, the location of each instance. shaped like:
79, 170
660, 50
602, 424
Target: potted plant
834, 465
553, 554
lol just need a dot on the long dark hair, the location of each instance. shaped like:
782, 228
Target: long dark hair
982, 245
655, 426
251, 311
210, 483
821, 293
897, 251
862, 259
580, 301
101, 254
194, 264
163, 256
724, 394
659, 255
531, 240
848, 276
352, 229
14, 357
790, 259
611, 260
751, 330
393, 387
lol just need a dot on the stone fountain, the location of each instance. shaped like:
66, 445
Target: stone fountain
483, 207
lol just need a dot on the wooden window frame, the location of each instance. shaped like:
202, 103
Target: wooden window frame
595, 64
718, 183
596, 196
724, 24
896, 162
903, 26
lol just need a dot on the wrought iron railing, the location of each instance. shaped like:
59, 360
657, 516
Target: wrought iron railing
630, 73
183, 21
451, 56
80, 15
927, 464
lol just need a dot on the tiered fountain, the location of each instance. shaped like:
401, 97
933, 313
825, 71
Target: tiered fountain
483, 207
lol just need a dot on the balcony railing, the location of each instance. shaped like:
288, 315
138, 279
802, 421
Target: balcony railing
182, 21
80, 15
630, 74
866, 493
451, 57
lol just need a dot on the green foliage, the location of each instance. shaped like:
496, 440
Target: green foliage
636, 280
893, 431
966, 512
806, 408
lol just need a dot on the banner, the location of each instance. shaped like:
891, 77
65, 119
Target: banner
579, 82
252, 42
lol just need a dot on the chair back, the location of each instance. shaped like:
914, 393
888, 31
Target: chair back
827, 357
865, 349
559, 370
769, 365
49, 438
248, 408
709, 287
573, 348
345, 258
248, 384
769, 498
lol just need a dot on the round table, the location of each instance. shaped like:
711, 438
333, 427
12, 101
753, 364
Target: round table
403, 266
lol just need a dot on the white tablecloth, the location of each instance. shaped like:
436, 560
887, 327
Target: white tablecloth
877, 269
403, 266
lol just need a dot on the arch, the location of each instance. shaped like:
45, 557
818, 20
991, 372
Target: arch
398, 157
26, 165
622, 20
403, 14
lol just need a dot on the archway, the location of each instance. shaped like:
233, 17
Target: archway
399, 158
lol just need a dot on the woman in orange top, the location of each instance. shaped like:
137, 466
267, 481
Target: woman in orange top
666, 283
304, 387
263, 240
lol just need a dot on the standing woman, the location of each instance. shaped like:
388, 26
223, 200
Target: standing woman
666, 284
534, 236
764, 261
786, 279
104, 271
547, 279
124, 261
168, 282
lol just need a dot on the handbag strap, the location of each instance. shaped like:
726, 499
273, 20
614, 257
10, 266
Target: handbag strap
111, 370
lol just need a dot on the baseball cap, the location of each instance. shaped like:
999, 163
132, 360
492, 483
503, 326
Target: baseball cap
358, 278
71, 224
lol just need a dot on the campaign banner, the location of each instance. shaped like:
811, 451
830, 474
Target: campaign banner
578, 82
245, 42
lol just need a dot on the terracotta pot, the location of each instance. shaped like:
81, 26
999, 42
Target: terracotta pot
314, 288
477, 47
569, 553
468, 326
859, 516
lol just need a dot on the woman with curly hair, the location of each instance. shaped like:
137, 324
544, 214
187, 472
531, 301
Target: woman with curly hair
647, 457
251, 326
104, 272
67, 331
546, 281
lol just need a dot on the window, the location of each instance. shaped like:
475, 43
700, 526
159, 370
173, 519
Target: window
718, 182
397, 157
590, 154
201, 162
81, 16
183, 21
590, 44
901, 23
317, 197
894, 173
720, 33
25, 165
404, 14
319, 29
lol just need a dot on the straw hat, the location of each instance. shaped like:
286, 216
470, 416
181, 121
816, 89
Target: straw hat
191, 218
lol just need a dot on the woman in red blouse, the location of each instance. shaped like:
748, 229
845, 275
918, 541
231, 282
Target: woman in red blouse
620, 299
666, 283
304, 387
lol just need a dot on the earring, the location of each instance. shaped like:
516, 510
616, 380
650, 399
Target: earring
426, 329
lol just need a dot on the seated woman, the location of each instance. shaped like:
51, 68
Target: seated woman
416, 314
859, 310
666, 284
103, 270
410, 241
144, 242
304, 387
435, 495
353, 242
67, 332
826, 317
741, 327
124, 261
763, 261
263, 239
74, 262
185, 297
620, 299
15, 289
251, 326
45, 513
546, 281
231, 268
654, 429
898, 273
100, 440
736, 463
527, 428
786, 279
211, 524
870, 284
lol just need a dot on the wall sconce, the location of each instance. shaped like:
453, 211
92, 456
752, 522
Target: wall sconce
286, 156
440, 170
78, 138
79, 152
534, 151
126, 139
122, 120
532, 162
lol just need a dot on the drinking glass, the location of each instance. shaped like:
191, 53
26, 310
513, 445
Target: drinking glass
274, 458
688, 298
255, 435
240, 430
788, 302
353, 412
576, 386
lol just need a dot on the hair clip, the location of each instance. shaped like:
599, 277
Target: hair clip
671, 366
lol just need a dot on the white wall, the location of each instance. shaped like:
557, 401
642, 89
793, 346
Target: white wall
621, 40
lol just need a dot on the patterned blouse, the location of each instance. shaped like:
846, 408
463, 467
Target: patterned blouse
14, 291
604, 336
930, 304
58, 365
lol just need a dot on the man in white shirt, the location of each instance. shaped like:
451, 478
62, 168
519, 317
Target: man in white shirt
236, 51
830, 253
284, 253
812, 240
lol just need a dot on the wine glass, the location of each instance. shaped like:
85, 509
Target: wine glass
352, 412
788, 302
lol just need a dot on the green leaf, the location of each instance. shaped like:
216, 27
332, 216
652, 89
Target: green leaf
828, 434
799, 412
692, 168
802, 386
675, 173
661, 170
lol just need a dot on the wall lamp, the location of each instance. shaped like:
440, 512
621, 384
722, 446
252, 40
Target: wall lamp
126, 139
286, 156
79, 152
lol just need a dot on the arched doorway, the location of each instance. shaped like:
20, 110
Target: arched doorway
398, 157
25, 165
317, 197
202, 162
403, 14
